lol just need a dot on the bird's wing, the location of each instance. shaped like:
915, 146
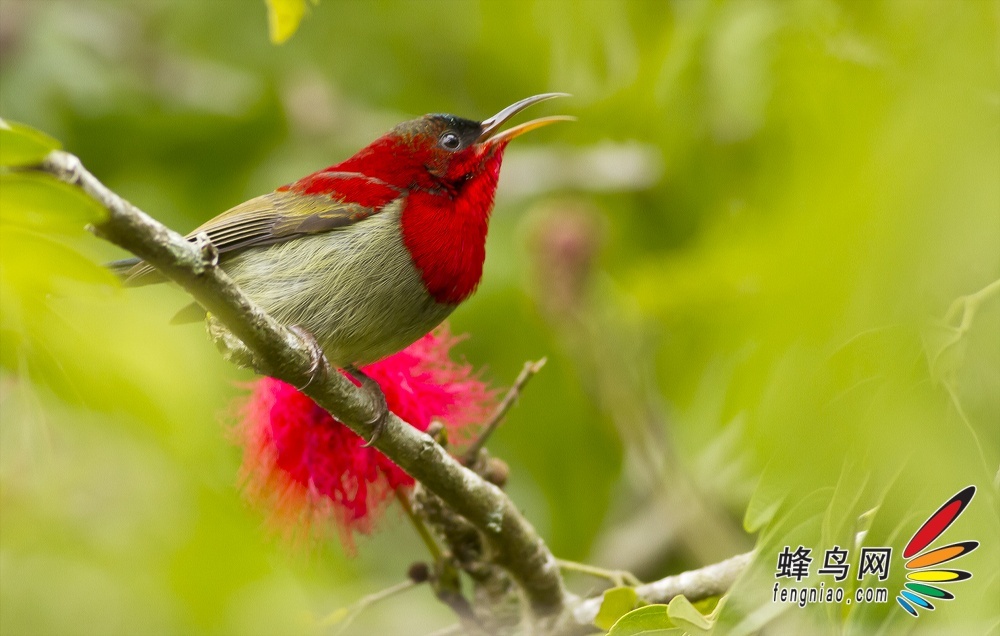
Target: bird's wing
328, 201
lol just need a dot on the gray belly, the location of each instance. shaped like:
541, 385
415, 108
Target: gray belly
355, 289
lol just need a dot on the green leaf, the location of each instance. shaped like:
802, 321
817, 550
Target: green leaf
683, 614
651, 620
22, 145
283, 18
34, 264
710, 606
40, 202
617, 602
765, 501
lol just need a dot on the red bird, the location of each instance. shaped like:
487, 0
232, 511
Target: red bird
370, 254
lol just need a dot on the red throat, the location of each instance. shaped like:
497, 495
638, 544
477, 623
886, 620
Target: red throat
445, 232
444, 222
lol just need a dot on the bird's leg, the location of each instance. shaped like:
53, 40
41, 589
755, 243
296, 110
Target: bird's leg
375, 391
316, 367
371, 386
315, 354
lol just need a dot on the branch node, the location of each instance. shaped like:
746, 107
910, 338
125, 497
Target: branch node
208, 251
419, 572
493, 469
440, 434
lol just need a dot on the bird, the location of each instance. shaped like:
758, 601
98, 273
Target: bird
366, 256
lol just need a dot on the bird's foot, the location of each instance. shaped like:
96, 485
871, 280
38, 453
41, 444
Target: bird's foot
316, 366
378, 423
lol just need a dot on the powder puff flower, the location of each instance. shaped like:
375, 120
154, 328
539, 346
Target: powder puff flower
306, 469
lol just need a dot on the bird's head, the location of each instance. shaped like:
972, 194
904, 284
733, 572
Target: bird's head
449, 168
444, 152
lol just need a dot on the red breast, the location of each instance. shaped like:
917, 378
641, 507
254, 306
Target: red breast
444, 223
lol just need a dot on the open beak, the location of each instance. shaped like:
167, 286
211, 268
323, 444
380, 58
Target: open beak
492, 125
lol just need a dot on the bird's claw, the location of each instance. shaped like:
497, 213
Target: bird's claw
379, 423
315, 354
381, 419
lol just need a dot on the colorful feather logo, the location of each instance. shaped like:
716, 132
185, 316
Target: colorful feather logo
919, 592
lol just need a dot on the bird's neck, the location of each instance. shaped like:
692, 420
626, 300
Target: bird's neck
445, 233
389, 159
444, 223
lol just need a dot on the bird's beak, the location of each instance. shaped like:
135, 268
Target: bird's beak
492, 125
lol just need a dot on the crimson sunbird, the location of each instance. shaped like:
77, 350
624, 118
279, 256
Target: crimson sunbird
368, 255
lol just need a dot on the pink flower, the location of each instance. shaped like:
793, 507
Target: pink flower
307, 469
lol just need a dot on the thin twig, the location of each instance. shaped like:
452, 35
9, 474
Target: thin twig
618, 577
968, 306
343, 617
279, 352
528, 372
419, 526
695, 585
451, 630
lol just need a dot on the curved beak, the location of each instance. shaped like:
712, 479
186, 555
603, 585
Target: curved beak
492, 125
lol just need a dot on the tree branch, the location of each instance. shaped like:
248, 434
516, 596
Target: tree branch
695, 585
279, 352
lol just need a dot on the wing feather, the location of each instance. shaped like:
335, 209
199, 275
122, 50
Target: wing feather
280, 216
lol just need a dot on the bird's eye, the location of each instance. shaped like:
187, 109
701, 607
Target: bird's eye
450, 141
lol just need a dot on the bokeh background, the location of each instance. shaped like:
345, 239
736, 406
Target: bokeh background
746, 263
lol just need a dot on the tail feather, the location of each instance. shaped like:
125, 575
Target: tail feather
134, 272
190, 313
122, 267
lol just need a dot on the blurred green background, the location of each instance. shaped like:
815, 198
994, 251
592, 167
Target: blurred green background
740, 262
